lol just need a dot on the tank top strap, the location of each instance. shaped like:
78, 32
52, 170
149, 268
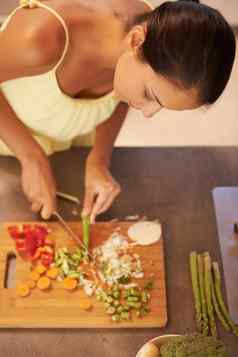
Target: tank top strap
36, 3
61, 20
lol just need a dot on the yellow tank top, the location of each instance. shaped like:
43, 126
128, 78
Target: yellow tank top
53, 117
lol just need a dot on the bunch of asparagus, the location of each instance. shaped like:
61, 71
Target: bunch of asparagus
208, 298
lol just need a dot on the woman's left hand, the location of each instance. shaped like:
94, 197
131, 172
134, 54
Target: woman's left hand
100, 189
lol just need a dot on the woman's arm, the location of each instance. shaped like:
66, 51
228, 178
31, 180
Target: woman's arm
23, 55
37, 179
100, 187
106, 134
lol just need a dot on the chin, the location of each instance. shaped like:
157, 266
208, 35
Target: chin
118, 91
118, 95
117, 88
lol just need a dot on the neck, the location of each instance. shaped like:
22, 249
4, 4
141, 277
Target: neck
108, 34
113, 44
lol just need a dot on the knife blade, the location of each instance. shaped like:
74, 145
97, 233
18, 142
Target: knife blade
71, 233
68, 197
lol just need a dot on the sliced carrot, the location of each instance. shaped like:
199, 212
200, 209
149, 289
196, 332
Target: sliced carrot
31, 284
23, 290
40, 268
43, 283
34, 275
85, 304
52, 273
70, 283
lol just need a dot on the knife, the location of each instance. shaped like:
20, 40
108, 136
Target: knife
68, 197
86, 223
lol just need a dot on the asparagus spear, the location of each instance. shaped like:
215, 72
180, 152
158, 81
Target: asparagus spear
208, 293
205, 326
217, 308
196, 292
86, 231
218, 292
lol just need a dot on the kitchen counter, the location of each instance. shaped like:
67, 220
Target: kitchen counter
172, 184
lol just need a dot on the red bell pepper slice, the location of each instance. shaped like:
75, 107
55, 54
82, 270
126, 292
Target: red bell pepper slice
15, 232
31, 242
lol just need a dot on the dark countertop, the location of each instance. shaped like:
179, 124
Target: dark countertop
173, 184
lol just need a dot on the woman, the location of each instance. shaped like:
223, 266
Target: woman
69, 66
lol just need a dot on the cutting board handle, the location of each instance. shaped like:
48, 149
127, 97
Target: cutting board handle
7, 270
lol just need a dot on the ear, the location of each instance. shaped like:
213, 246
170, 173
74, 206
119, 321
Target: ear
136, 37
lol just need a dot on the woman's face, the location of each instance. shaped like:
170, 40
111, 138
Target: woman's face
137, 84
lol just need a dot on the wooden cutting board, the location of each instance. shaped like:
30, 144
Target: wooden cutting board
58, 308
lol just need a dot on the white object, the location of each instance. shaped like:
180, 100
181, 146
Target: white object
145, 233
158, 341
149, 350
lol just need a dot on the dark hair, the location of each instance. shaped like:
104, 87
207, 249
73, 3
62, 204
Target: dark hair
190, 44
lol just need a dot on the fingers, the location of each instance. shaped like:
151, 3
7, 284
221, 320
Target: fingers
36, 206
45, 204
39, 186
109, 202
49, 206
88, 202
100, 201
104, 200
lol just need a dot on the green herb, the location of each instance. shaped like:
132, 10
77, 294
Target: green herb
149, 285
194, 345
125, 315
124, 280
116, 318
116, 294
111, 310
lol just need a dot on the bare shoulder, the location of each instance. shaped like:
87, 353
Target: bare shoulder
40, 35
32, 41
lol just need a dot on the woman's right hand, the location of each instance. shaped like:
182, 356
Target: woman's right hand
39, 185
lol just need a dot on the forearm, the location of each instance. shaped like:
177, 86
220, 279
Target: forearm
106, 134
15, 135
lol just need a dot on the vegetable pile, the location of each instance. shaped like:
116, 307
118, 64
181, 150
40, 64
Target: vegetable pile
33, 242
39, 277
114, 275
208, 298
75, 266
111, 277
121, 303
116, 260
